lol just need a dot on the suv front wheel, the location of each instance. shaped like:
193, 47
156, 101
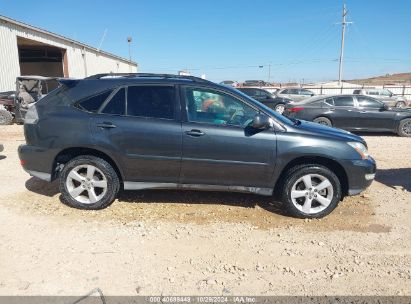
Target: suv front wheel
311, 191
88, 182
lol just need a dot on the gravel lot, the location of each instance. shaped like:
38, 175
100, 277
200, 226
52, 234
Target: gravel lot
205, 243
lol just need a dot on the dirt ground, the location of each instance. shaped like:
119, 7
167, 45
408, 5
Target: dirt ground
205, 243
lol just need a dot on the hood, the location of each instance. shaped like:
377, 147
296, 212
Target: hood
318, 129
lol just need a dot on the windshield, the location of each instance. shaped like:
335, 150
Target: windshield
272, 112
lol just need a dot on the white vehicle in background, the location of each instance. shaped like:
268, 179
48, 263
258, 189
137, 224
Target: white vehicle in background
295, 94
230, 83
384, 95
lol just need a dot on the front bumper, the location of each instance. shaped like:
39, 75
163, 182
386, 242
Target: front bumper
360, 174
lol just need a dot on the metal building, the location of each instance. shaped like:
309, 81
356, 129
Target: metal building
28, 50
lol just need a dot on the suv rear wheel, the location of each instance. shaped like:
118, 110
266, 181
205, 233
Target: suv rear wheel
400, 104
311, 191
88, 182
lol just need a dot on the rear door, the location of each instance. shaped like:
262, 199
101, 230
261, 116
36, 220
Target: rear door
218, 147
344, 112
140, 126
294, 94
373, 116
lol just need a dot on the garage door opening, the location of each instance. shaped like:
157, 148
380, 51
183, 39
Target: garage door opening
41, 59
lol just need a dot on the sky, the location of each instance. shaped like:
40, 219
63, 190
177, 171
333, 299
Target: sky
280, 41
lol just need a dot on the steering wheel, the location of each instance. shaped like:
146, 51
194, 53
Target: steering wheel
237, 113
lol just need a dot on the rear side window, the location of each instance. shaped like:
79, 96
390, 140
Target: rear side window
151, 101
250, 92
343, 101
117, 104
306, 92
93, 103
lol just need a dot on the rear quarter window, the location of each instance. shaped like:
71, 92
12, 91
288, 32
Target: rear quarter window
93, 103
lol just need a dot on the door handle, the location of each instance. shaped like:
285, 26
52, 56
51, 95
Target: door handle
363, 112
195, 133
106, 125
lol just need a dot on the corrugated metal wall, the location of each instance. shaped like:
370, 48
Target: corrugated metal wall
81, 61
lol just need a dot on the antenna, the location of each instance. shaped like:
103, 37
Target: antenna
343, 23
102, 40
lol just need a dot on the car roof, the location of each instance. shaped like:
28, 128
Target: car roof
319, 97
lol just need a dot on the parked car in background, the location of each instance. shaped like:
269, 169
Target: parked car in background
272, 101
352, 113
145, 131
255, 83
295, 94
386, 96
230, 83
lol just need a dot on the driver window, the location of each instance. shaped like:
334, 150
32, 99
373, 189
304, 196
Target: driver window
217, 108
365, 102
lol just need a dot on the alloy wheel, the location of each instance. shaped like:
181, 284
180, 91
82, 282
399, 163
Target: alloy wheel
406, 128
280, 108
312, 193
86, 184
401, 105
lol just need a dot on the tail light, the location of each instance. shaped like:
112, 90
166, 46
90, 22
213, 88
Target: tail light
296, 109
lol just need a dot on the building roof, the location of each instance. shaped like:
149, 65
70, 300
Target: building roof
5, 19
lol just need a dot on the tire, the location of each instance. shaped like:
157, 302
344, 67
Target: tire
404, 128
6, 118
96, 192
401, 105
323, 121
279, 108
295, 192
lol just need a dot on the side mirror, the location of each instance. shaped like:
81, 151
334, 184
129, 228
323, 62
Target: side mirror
385, 107
261, 122
312, 94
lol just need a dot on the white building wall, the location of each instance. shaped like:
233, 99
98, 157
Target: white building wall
82, 61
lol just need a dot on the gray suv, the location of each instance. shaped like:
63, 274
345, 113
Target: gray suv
384, 95
149, 131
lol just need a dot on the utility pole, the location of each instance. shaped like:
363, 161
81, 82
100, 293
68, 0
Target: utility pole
129, 39
269, 72
344, 23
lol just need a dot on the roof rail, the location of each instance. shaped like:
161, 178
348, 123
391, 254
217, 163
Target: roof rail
152, 75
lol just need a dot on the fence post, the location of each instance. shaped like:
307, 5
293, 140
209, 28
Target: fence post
403, 90
321, 90
341, 89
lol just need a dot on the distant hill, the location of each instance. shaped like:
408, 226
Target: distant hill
400, 78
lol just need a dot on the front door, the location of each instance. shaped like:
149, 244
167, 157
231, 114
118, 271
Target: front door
219, 148
373, 115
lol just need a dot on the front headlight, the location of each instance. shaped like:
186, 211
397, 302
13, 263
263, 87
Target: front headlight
360, 148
